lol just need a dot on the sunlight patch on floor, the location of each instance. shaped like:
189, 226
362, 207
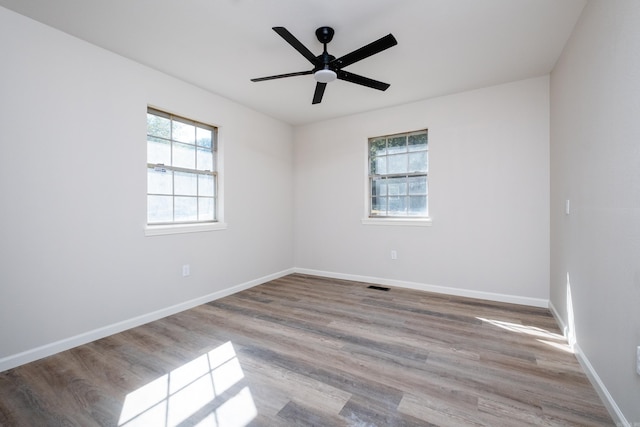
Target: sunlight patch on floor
550, 338
193, 392
523, 329
559, 345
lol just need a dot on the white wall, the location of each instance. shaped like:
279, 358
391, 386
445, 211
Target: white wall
595, 162
488, 196
73, 254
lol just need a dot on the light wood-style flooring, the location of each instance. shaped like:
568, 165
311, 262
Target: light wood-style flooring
310, 351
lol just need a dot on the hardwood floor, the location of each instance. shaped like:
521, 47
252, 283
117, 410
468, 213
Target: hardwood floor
311, 351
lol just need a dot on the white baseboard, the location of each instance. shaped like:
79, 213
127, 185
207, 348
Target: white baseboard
31, 355
513, 299
607, 399
594, 378
559, 319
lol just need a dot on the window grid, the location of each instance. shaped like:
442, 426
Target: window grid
398, 175
167, 135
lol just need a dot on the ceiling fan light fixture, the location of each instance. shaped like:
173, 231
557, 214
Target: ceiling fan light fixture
325, 76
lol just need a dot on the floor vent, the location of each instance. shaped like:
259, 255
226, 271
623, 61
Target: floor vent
378, 288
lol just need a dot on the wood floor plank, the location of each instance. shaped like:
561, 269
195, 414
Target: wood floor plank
315, 351
438, 410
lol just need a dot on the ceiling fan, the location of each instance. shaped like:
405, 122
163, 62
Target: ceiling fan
327, 68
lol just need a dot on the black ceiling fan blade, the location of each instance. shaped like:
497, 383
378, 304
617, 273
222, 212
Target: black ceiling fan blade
317, 95
281, 76
366, 51
297, 45
360, 80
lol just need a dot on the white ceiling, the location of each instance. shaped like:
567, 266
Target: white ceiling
444, 46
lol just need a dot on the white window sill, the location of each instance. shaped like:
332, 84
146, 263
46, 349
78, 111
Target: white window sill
407, 222
160, 230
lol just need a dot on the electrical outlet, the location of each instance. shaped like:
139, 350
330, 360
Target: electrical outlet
638, 360
186, 270
394, 254
567, 207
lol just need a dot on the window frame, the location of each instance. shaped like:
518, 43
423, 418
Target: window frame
186, 226
406, 219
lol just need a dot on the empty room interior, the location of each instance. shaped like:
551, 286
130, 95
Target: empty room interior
444, 232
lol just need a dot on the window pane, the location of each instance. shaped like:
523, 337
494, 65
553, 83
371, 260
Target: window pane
159, 182
397, 144
186, 209
397, 186
418, 185
398, 166
418, 142
397, 163
378, 147
186, 184
204, 137
205, 159
418, 161
159, 209
418, 205
158, 126
379, 187
184, 132
205, 209
184, 156
182, 195
379, 165
158, 151
397, 206
205, 185
379, 206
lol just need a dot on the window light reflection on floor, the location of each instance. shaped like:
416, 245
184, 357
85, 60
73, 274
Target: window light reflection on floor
550, 338
559, 345
194, 392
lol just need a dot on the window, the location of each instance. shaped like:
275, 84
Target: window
398, 167
181, 170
